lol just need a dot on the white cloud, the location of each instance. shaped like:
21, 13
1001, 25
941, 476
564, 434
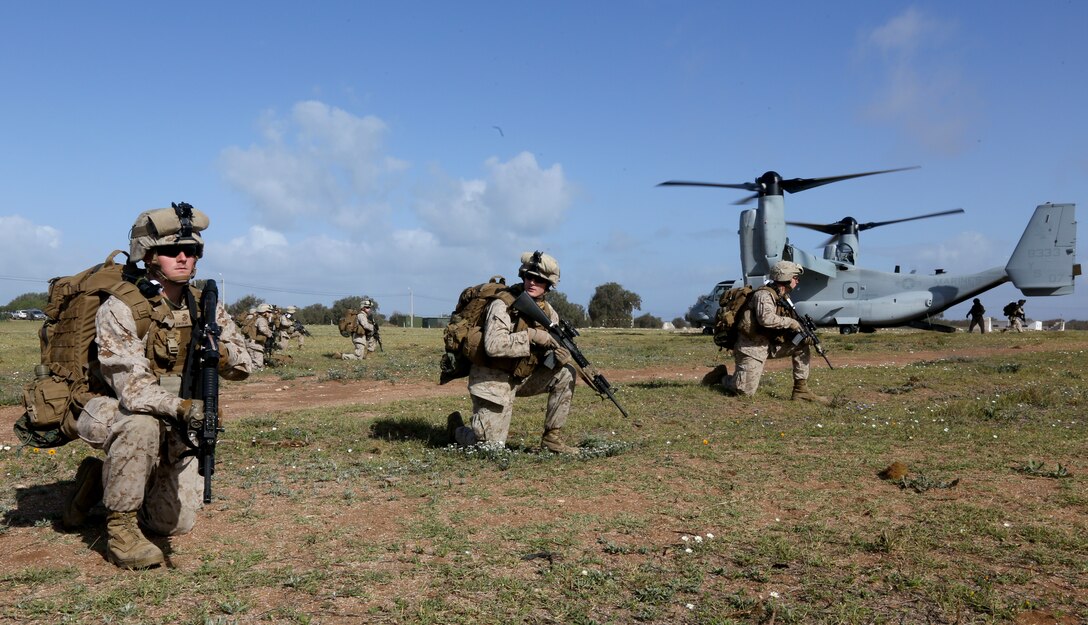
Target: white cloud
29, 256
322, 163
517, 199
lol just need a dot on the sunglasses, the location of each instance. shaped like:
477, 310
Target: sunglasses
190, 250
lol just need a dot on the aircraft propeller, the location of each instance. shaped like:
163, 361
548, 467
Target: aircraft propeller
849, 225
771, 183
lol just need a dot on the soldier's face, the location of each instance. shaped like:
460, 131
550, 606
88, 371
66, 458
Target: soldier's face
179, 267
534, 286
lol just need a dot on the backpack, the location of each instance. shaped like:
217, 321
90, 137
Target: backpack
463, 336
67, 376
349, 324
726, 321
1009, 309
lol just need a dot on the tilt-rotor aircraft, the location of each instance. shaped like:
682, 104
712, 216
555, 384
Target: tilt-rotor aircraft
837, 292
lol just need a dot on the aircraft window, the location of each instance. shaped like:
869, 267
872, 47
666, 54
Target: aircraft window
850, 290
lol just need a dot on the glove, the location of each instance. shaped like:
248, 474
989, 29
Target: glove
191, 412
540, 337
795, 325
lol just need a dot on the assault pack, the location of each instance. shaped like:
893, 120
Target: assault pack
68, 374
730, 306
349, 323
1009, 309
463, 335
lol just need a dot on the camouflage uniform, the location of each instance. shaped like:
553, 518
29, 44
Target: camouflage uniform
263, 330
493, 390
1016, 319
764, 328
143, 470
365, 342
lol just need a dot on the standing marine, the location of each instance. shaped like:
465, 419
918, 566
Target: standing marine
765, 330
146, 482
977, 315
517, 365
258, 334
362, 333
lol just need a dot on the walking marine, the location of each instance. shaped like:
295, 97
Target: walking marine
977, 315
519, 358
143, 410
1015, 313
363, 333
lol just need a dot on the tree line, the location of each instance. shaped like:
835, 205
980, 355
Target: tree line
611, 306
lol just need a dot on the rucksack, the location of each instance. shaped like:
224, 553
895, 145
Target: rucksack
463, 336
730, 306
1009, 309
349, 323
68, 374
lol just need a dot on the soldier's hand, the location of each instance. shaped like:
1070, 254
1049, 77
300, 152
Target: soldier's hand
795, 325
191, 412
562, 354
540, 337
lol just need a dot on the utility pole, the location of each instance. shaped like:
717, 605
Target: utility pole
411, 309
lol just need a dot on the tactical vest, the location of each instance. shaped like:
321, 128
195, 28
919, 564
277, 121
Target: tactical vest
520, 368
750, 327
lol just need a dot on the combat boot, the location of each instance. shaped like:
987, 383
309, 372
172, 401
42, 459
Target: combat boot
715, 376
453, 423
86, 493
802, 392
127, 546
553, 442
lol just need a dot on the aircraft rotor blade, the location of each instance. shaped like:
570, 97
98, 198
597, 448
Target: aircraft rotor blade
747, 186
835, 228
874, 224
794, 185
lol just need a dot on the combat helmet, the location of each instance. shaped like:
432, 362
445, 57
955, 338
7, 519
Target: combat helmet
291, 310
367, 303
540, 265
180, 224
264, 308
784, 270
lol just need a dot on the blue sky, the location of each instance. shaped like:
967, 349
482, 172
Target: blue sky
406, 150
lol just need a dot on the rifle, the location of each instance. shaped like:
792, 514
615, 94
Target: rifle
204, 386
808, 330
564, 334
301, 329
378, 337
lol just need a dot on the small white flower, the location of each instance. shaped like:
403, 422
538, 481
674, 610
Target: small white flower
946, 429
698, 539
774, 593
690, 606
819, 425
585, 572
688, 550
684, 538
1007, 524
349, 450
709, 535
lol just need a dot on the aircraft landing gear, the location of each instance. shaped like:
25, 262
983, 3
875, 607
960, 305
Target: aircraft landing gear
848, 329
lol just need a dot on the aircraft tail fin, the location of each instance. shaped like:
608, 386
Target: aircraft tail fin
1044, 262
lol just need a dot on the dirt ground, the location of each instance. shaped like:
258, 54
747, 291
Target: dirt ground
267, 394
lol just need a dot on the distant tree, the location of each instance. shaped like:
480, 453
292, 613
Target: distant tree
611, 306
648, 321
315, 314
680, 324
340, 306
27, 300
241, 306
572, 313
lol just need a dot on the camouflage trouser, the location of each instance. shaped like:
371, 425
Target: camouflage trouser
143, 470
1015, 325
256, 352
750, 360
363, 347
493, 403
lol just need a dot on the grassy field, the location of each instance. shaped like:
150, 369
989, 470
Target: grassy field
716, 510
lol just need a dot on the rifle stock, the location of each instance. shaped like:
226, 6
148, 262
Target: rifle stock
564, 334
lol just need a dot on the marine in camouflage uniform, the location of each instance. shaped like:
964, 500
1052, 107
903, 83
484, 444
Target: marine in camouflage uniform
363, 336
262, 331
765, 331
516, 350
144, 481
1017, 318
289, 330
